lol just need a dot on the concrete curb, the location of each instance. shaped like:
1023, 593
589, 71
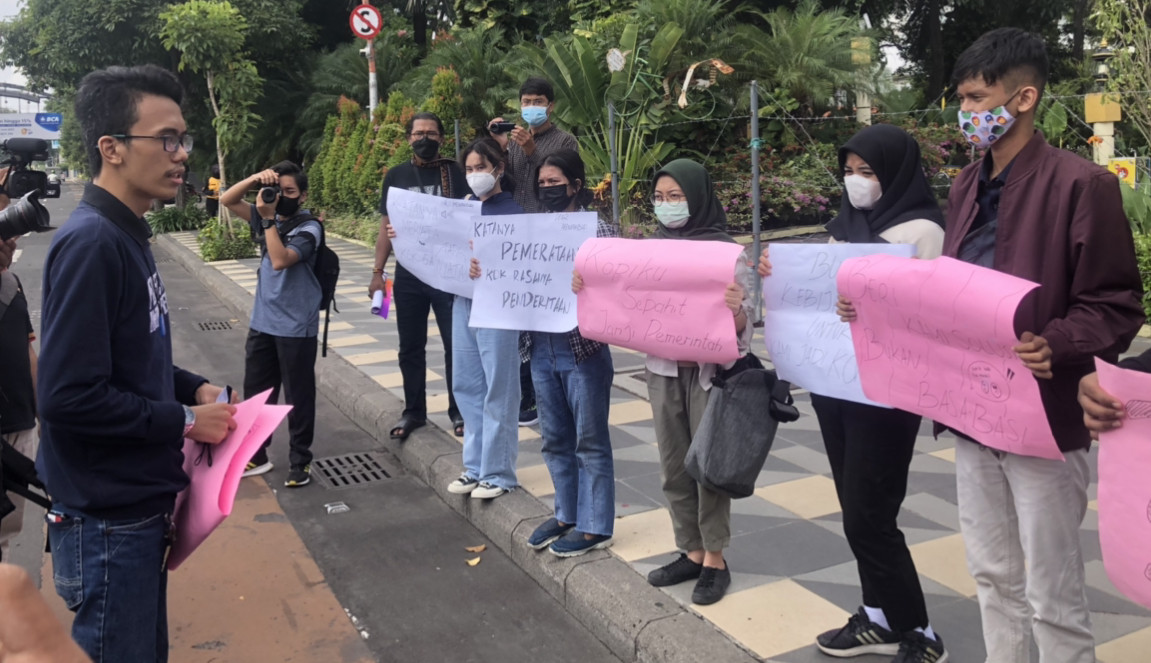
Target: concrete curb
635, 620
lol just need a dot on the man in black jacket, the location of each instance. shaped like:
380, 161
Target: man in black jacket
113, 408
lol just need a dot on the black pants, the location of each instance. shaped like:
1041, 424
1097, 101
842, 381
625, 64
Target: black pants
212, 206
527, 389
274, 360
413, 299
870, 451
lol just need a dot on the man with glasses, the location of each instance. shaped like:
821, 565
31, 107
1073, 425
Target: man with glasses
114, 411
431, 174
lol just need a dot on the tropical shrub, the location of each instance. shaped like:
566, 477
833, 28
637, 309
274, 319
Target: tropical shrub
177, 219
216, 243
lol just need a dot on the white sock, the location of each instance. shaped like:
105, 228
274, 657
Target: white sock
877, 617
928, 632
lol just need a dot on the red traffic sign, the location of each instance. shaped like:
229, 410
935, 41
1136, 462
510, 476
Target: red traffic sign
366, 21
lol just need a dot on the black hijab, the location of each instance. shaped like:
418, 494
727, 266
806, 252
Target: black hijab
894, 156
707, 220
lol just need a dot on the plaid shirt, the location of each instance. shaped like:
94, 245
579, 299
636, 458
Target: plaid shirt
581, 347
522, 168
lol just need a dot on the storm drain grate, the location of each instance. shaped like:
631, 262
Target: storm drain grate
215, 326
349, 470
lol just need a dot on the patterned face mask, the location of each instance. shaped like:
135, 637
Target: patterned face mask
982, 128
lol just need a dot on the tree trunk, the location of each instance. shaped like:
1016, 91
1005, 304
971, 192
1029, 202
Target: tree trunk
936, 64
420, 27
1079, 29
219, 152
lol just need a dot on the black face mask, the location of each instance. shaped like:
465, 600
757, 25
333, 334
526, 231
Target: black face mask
555, 198
426, 148
287, 206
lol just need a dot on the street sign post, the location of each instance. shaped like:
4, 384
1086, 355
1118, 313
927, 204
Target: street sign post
366, 23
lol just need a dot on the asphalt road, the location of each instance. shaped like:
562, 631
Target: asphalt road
396, 559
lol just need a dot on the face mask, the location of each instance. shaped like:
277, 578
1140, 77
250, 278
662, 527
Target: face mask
287, 206
481, 183
534, 115
672, 215
426, 148
862, 192
555, 198
983, 128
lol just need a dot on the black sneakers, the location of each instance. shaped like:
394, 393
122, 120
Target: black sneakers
712, 585
918, 648
681, 570
860, 636
299, 476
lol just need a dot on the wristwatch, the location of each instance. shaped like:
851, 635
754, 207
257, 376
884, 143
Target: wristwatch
267, 223
189, 420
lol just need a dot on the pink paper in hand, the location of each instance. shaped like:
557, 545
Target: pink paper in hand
936, 337
211, 491
1124, 489
660, 296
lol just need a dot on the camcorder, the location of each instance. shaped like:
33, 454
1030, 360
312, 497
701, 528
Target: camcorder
501, 127
25, 186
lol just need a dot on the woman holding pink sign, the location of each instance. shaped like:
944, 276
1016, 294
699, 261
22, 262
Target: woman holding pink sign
886, 200
686, 206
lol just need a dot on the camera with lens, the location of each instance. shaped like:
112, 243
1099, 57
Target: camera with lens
21, 152
27, 214
269, 193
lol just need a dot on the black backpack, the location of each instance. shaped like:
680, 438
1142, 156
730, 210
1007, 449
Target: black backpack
326, 269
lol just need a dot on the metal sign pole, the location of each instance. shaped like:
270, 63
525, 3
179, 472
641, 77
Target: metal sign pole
757, 300
614, 163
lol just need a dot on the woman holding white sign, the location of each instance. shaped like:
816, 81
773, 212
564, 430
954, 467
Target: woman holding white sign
686, 206
486, 379
886, 200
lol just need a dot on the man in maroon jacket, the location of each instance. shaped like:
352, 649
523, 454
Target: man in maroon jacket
1046, 215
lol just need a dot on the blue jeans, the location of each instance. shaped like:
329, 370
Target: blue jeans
486, 382
573, 401
113, 575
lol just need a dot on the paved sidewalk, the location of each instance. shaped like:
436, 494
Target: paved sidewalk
793, 574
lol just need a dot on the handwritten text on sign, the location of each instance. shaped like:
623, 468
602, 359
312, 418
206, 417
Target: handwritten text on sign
432, 238
1124, 492
808, 343
660, 296
527, 261
935, 337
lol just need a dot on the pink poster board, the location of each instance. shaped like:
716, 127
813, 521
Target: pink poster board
208, 499
1124, 485
660, 296
935, 337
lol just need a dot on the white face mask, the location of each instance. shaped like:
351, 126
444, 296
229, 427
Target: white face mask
862, 192
672, 215
481, 183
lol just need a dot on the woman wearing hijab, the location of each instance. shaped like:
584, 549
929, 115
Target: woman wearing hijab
687, 208
887, 200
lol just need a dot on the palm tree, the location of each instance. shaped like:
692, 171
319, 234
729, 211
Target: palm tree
808, 52
489, 72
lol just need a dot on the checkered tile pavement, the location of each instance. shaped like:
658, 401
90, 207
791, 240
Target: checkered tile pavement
793, 574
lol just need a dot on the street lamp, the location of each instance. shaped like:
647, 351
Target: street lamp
1102, 71
1102, 109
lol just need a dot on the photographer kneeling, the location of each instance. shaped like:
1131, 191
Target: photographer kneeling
281, 346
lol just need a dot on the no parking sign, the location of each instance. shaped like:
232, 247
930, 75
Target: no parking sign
366, 21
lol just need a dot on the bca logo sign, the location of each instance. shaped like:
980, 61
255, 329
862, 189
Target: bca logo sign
50, 121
